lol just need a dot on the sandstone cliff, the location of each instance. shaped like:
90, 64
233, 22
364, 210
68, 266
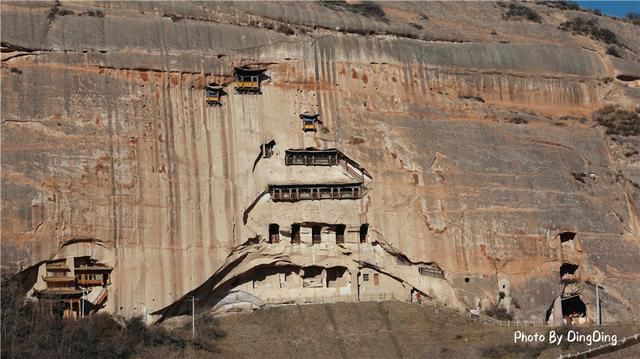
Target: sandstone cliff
469, 123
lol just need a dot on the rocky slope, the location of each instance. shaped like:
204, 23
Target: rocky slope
470, 124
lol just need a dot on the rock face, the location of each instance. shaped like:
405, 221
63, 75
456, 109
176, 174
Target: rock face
469, 124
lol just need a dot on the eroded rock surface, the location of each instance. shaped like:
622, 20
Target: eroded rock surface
469, 124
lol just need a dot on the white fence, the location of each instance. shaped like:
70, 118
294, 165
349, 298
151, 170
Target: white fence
378, 297
487, 319
606, 348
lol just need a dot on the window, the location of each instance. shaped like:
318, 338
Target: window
568, 269
295, 233
376, 279
315, 231
274, 233
567, 236
312, 277
364, 229
336, 277
340, 233
365, 277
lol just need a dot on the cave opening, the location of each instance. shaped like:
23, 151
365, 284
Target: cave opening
573, 307
568, 271
315, 234
253, 240
336, 277
295, 233
627, 78
274, 233
567, 236
267, 148
340, 228
364, 230
312, 277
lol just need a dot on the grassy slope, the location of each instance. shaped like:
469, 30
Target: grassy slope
373, 330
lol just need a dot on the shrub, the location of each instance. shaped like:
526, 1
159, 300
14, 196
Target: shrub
64, 12
519, 12
589, 27
518, 120
96, 13
634, 17
618, 121
573, 118
359, 31
470, 97
285, 29
563, 5
406, 34
579, 176
174, 17
34, 331
498, 313
51, 15
512, 350
613, 51
365, 8
416, 26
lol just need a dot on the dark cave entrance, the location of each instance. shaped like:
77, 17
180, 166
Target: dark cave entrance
315, 234
274, 233
568, 271
572, 311
295, 233
573, 306
340, 233
364, 230
567, 236
549, 312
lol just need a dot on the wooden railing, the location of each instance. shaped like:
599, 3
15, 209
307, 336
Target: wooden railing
293, 193
377, 297
247, 84
90, 282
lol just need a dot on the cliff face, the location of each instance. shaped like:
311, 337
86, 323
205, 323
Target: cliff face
469, 124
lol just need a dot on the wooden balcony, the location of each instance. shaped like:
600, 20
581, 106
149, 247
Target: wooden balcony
248, 85
57, 267
326, 157
90, 282
431, 271
300, 192
311, 157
